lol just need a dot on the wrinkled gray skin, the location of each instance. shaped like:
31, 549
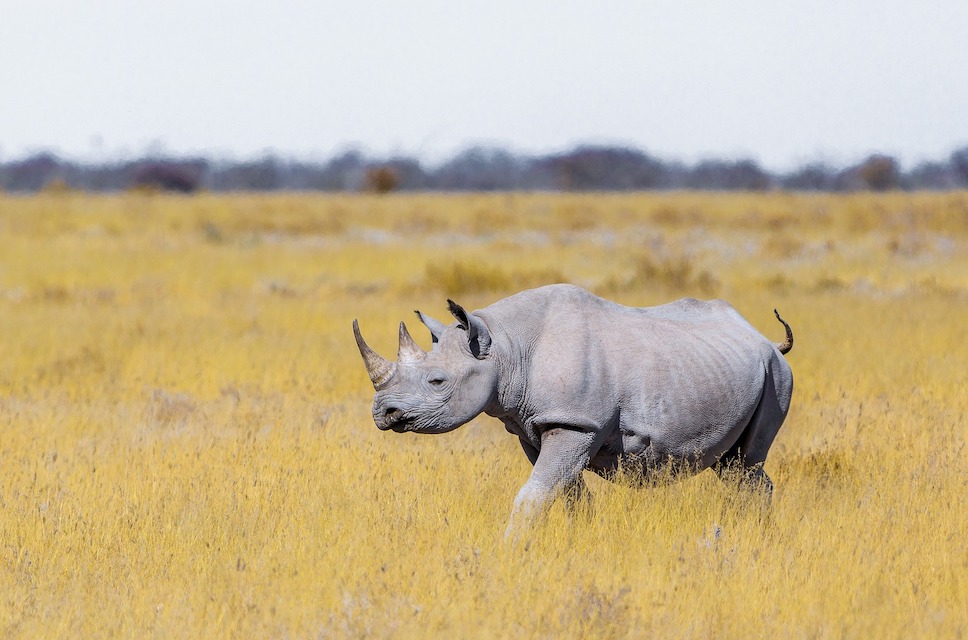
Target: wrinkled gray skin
585, 383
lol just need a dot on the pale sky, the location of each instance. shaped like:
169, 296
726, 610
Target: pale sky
780, 82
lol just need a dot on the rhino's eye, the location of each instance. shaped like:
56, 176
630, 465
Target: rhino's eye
437, 381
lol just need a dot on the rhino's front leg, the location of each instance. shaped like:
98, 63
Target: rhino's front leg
564, 454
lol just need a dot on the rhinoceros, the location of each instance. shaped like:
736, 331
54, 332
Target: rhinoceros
586, 383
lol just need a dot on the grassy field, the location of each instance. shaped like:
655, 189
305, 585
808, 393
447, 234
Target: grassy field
187, 450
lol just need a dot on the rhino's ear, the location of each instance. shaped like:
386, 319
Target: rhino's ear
478, 337
436, 326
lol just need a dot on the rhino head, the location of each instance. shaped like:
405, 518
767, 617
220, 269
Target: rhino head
435, 391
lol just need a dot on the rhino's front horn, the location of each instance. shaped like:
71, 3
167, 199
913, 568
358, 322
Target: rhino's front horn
408, 351
379, 368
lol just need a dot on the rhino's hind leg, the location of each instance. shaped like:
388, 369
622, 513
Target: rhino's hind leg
743, 462
752, 477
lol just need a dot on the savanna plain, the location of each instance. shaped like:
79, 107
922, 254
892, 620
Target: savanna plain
186, 447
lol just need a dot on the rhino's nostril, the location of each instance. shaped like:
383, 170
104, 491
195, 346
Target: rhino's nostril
391, 412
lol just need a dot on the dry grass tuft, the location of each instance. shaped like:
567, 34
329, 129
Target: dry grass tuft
461, 278
675, 274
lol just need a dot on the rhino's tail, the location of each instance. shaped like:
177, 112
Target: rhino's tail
786, 345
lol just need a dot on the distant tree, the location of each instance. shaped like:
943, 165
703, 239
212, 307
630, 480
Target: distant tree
592, 168
101, 177
811, 177
31, 173
169, 175
931, 175
747, 175
479, 169
265, 174
959, 166
345, 172
880, 173
743, 175
586, 168
410, 173
381, 179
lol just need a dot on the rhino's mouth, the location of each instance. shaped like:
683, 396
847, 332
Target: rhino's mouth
398, 425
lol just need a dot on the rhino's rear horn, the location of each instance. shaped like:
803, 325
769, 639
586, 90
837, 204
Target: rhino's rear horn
379, 368
436, 327
408, 351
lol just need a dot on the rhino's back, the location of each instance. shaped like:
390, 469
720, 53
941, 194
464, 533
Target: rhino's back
562, 312
677, 377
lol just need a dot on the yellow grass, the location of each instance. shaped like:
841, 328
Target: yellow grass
187, 451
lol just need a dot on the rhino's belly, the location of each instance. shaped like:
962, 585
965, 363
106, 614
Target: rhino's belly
684, 439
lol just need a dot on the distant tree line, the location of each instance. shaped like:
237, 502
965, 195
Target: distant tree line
584, 168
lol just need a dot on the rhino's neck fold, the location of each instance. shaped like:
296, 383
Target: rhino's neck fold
509, 359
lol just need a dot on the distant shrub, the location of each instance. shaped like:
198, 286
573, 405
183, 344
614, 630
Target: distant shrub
880, 173
825, 467
462, 277
780, 246
671, 215
57, 187
382, 179
32, 173
576, 218
458, 278
959, 164
815, 176
830, 284
744, 175
675, 273
167, 176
